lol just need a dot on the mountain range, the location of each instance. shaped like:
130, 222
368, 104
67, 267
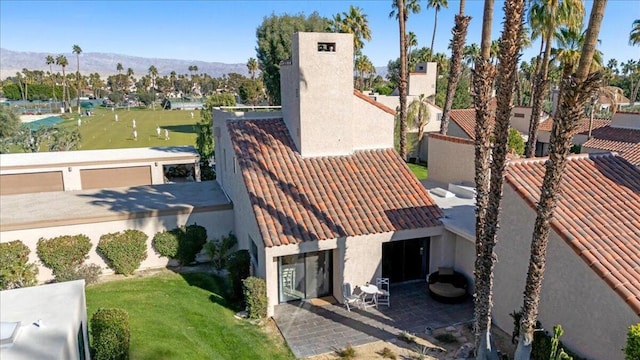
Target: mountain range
105, 64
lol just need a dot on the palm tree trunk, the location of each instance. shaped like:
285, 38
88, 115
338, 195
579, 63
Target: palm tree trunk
402, 86
433, 37
575, 92
540, 90
483, 82
457, 45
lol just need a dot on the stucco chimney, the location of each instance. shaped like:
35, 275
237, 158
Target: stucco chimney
317, 90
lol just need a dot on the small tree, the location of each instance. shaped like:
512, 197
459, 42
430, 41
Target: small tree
515, 143
15, 271
218, 250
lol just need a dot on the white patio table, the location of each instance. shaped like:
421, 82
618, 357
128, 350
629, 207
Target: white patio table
369, 295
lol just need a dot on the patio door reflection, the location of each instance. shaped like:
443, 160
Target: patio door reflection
305, 276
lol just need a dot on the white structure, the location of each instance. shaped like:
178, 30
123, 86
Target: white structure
53, 322
320, 197
91, 169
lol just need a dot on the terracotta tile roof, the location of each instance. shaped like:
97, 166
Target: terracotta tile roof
453, 139
583, 126
380, 106
466, 120
597, 214
299, 199
624, 141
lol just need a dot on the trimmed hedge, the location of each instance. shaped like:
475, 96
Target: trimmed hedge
238, 266
632, 350
110, 334
182, 244
124, 251
63, 254
15, 271
255, 295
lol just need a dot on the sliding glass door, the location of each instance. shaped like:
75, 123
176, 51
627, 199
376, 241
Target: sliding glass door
305, 276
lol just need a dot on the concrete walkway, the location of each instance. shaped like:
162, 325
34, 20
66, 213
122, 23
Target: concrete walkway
311, 330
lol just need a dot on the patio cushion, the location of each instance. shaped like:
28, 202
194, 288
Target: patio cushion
447, 290
443, 271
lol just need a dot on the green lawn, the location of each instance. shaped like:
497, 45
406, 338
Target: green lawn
420, 171
101, 131
183, 316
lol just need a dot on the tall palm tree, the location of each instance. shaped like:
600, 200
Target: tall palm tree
455, 67
402, 81
50, 62
545, 17
78, 50
355, 22
172, 78
470, 54
412, 42
418, 116
119, 68
130, 76
634, 35
410, 6
437, 5
574, 93
62, 61
252, 66
483, 84
153, 73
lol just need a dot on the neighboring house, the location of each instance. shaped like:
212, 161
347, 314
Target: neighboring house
621, 136
580, 134
93, 169
420, 82
320, 197
592, 279
52, 322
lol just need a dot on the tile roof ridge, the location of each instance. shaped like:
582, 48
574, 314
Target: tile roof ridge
377, 104
571, 157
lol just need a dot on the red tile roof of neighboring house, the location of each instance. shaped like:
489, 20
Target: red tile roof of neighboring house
453, 139
298, 199
466, 120
597, 214
380, 106
624, 141
583, 126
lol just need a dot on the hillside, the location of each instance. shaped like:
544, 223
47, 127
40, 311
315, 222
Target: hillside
105, 64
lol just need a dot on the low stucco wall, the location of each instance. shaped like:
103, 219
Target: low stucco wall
218, 223
594, 318
451, 160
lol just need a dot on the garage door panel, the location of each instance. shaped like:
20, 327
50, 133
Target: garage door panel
31, 183
115, 177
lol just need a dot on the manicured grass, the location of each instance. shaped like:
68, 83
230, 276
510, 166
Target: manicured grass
101, 131
183, 316
420, 171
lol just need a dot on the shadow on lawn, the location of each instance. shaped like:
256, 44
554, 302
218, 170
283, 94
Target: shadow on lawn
215, 284
188, 129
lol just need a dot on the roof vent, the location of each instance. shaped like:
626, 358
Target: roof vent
8, 333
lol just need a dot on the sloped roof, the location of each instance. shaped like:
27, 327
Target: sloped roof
624, 141
298, 199
466, 120
379, 105
583, 125
597, 214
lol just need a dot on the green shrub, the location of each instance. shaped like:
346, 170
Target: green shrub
515, 143
89, 272
255, 295
347, 353
542, 346
238, 267
218, 250
124, 251
15, 271
407, 337
632, 350
110, 334
63, 254
182, 244
446, 338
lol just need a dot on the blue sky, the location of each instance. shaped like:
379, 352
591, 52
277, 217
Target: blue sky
224, 31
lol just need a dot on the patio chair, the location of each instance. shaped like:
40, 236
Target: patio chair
349, 298
384, 296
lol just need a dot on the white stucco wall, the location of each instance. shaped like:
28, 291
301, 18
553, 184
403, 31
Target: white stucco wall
593, 316
520, 118
217, 223
626, 120
451, 162
372, 126
423, 79
455, 130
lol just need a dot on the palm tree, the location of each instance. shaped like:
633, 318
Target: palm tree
410, 6
570, 43
483, 83
50, 62
252, 66
412, 41
62, 61
437, 5
402, 81
545, 17
119, 68
574, 93
470, 54
634, 35
130, 76
153, 73
77, 50
418, 116
172, 77
354, 22
455, 67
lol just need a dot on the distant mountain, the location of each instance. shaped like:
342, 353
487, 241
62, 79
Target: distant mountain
105, 64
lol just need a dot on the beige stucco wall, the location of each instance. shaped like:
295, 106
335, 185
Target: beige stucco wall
626, 120
372, 126
423, 79
217, 223
455, 130
451, 162
593, 316
520, 123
